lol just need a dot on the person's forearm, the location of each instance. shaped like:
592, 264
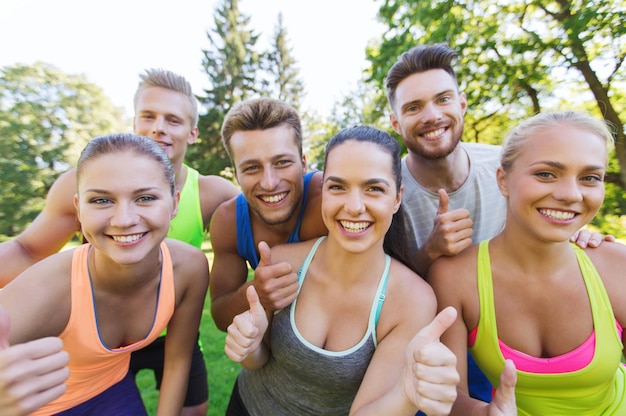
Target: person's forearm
225, 307
393, 403
423, 259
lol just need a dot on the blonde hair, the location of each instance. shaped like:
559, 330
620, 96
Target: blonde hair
518, 136
171, 81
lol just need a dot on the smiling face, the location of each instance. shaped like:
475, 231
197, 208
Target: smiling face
429, 113
556, 183
124, 205
359, 195
270, 170
165, 116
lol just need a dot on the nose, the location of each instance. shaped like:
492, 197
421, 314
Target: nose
270, 179
355, 204
124, 216
158, 126
568, 190
431, 113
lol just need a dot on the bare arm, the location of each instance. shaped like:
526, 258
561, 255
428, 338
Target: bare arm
191, 272
213, 191
47, 234
229, 271
275, 284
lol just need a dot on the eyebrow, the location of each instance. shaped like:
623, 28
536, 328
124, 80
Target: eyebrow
273, 158
372, 181
559, 165
105, 192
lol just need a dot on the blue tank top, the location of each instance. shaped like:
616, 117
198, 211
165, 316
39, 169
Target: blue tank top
245, 240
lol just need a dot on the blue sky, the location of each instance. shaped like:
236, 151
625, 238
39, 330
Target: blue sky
112, 42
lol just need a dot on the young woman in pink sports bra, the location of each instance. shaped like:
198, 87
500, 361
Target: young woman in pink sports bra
542, 317
116, 293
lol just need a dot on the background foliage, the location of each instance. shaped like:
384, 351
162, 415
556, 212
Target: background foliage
46, 117
516, 58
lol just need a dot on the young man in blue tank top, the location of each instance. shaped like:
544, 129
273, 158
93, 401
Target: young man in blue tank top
165, 111
279, 203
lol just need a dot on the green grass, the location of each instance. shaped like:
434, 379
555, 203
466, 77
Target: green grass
221, 371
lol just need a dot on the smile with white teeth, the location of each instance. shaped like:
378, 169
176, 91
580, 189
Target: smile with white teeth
434, 133
272, 199
354, 227
557, 215
127, 238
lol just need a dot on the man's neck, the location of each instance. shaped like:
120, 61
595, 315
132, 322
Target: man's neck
447, 173
180, 174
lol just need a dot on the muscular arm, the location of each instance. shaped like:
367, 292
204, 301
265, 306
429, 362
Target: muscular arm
229, 271
47, 234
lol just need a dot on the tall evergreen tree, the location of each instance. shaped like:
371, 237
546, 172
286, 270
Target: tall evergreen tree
231, 64
282, 74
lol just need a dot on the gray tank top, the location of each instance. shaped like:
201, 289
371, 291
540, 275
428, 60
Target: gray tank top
303, 379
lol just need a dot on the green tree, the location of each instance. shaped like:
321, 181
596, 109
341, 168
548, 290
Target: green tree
282, 74
46, 117
231, 64
518, 57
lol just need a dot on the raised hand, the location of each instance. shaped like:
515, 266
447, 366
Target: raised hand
276, 284
452, 230
31, 374
245, 334
504, 403
431, 378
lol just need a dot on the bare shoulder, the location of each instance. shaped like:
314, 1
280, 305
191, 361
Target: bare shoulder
186, 257
42, 290
449, 270
213, 191
312, 223
223, 229
410, 303
609, 259
293, 253
216, 187
60, 197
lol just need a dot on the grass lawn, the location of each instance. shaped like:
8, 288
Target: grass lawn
221, 370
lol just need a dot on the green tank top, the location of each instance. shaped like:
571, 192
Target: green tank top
188, 226
597, 389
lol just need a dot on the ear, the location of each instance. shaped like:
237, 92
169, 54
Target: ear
396, 206
303, 165
394, 123
193, 135
76, 206
175, 202
501, 178
463, 102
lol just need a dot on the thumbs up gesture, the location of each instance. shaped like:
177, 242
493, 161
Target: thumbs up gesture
431, 377
452, 230
276, 284
504, 403
31, 374
245, 334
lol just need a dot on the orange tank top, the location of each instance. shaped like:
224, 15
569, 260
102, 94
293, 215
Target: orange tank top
93, 366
